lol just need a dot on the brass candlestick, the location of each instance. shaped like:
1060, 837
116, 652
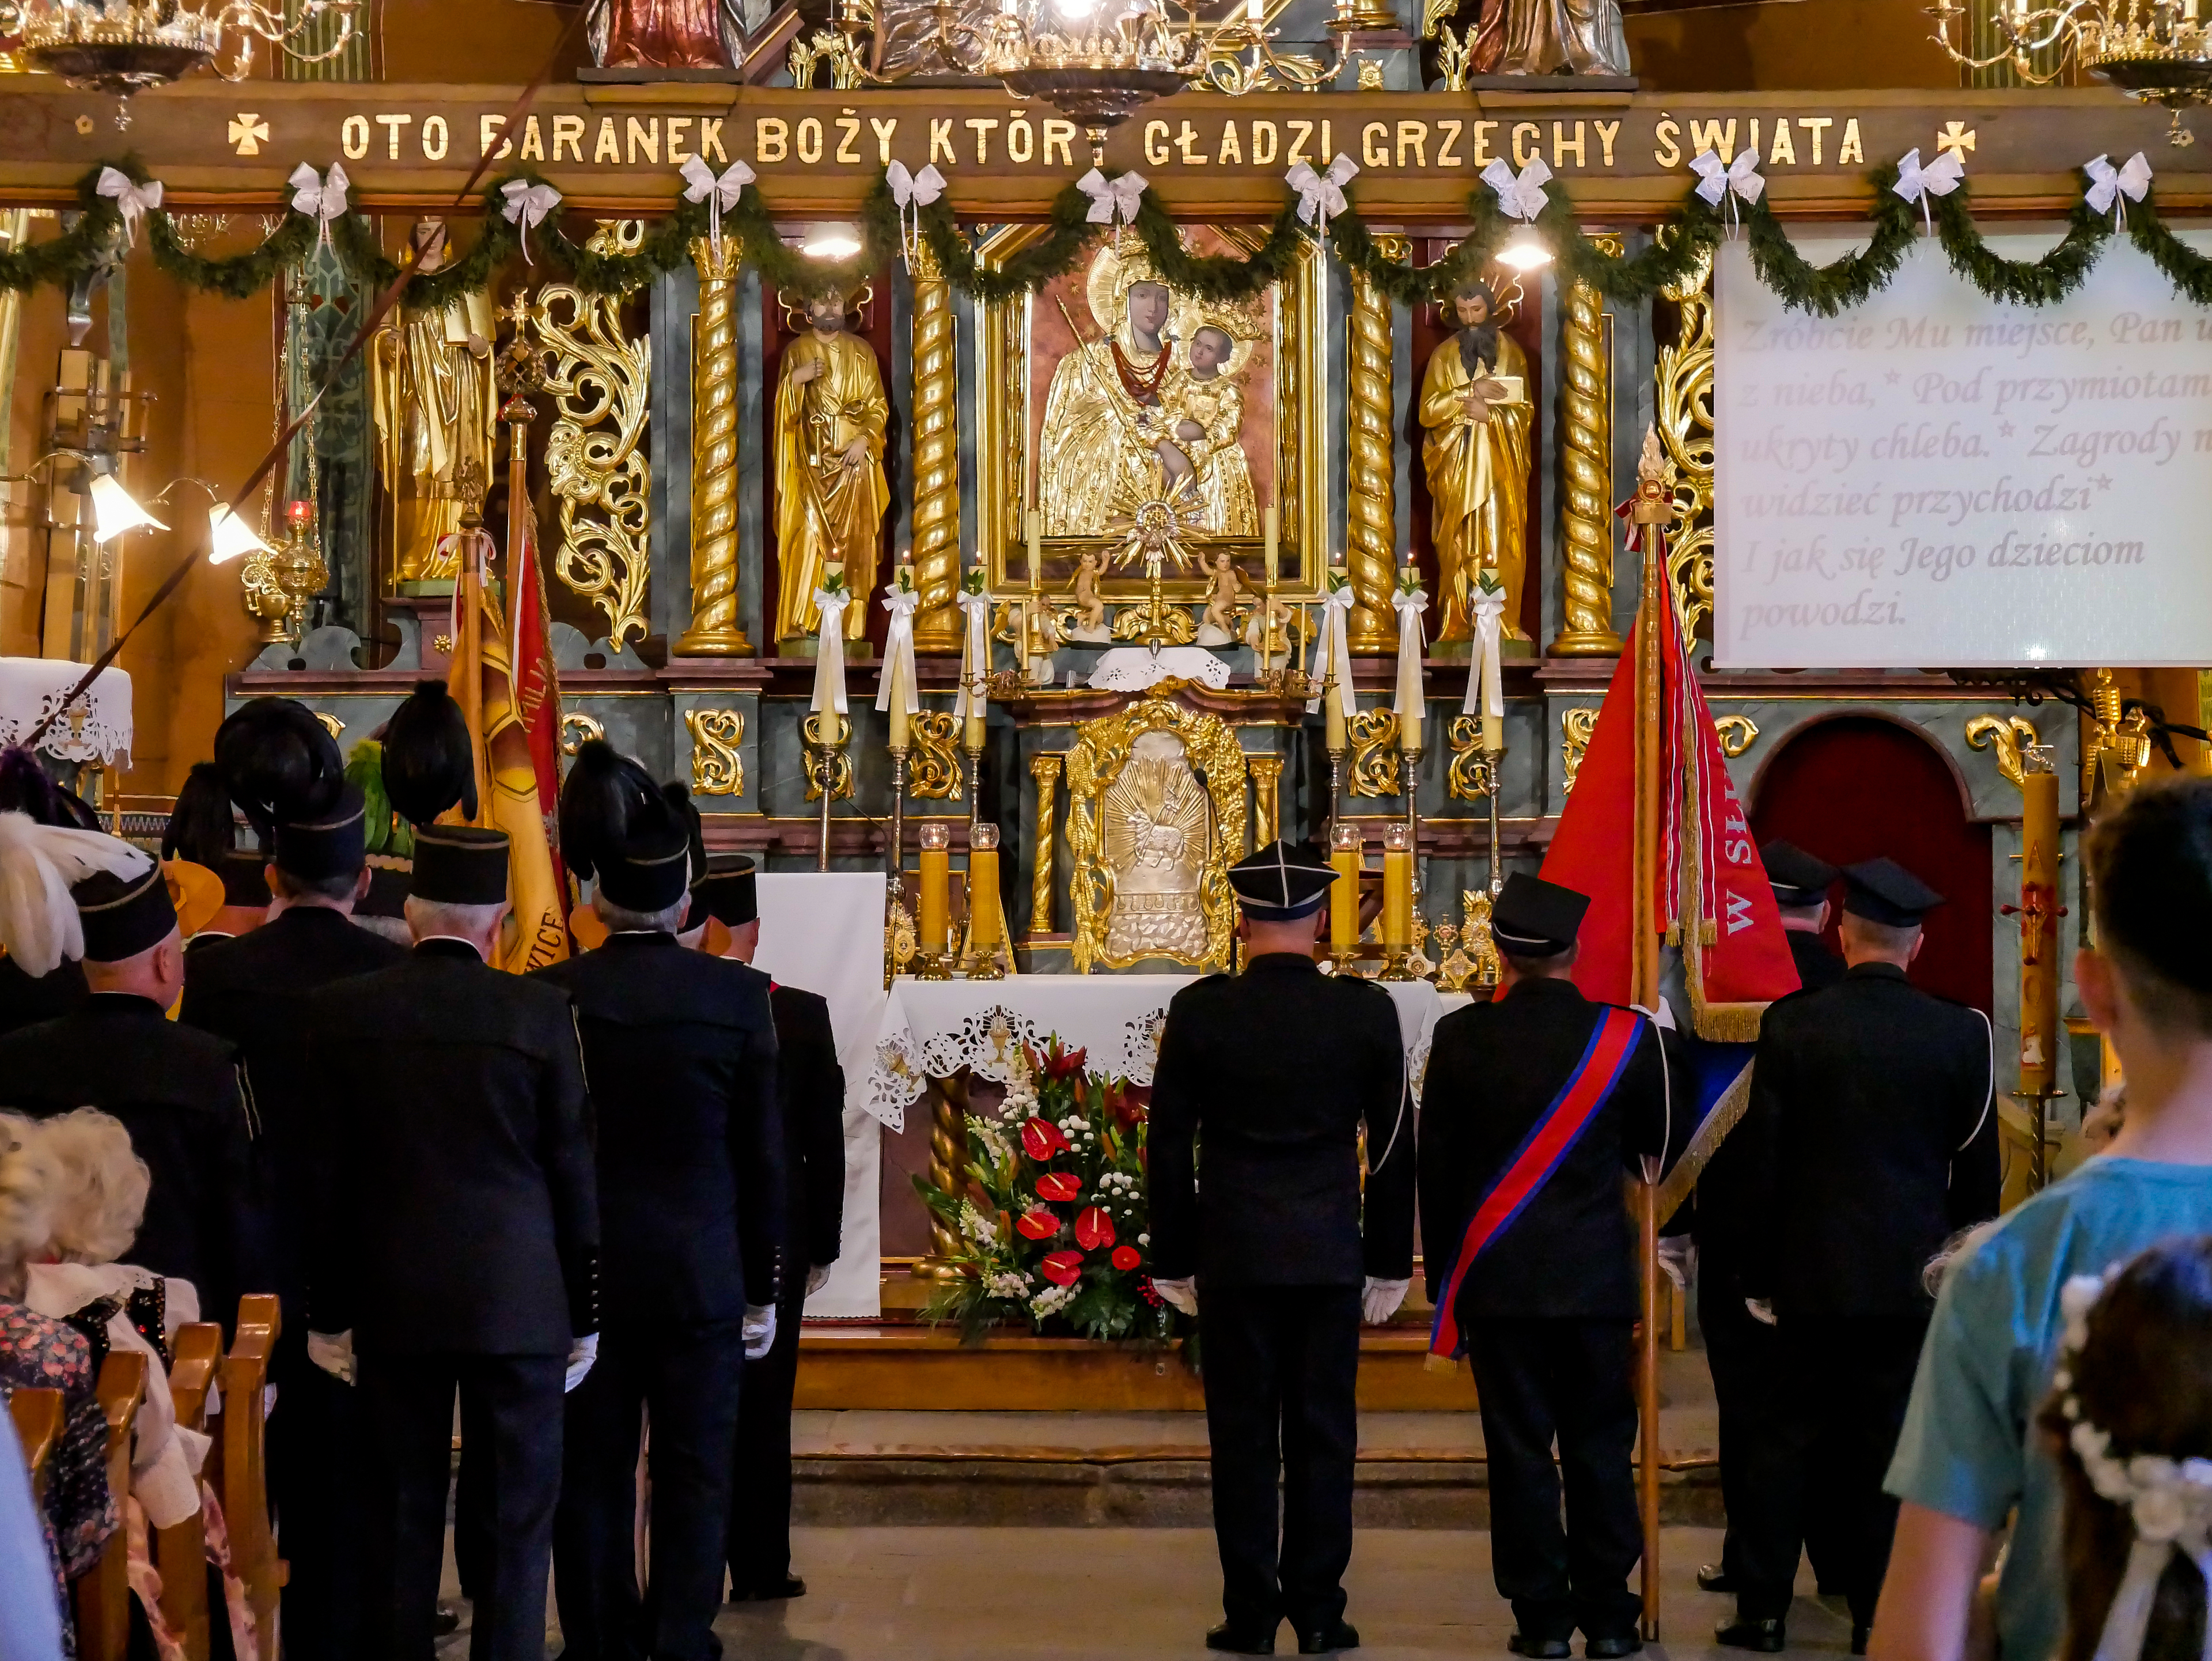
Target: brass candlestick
1410, 760
1495, 761
898, 861
829, 731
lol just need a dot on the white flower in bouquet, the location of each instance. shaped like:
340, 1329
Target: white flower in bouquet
994, 1139
976, 1226
1007, 1283
1050, 1300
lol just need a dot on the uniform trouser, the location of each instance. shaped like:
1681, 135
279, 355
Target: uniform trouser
1569, 1379
684, 1379
760, 1491
1846, 1380
1745, 1355
510, 1420
1282, 1366
314, 1487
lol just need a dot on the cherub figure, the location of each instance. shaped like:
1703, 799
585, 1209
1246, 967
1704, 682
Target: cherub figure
1090, 608
1224, 596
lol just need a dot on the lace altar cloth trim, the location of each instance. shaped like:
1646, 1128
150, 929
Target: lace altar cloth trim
933, 1029
1135, 668
96, 728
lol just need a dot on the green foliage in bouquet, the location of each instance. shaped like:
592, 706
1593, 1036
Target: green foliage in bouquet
1050, 1215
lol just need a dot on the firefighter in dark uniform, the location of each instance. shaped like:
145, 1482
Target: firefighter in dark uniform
1873, 1121
26, 997
178, 1092
202, 830
1741, 1349
1275, 1071
456, 1247
682, 1053
812, 1085
253, 991
1547, 1300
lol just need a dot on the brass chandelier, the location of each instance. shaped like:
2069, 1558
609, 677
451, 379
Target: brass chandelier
124, 46
2157, 50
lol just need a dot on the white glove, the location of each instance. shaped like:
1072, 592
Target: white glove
582, 1354
1677, 1257
759, 1330
333, 1353
1181, 1294
1761, 1311
1380, 1301
818, 1276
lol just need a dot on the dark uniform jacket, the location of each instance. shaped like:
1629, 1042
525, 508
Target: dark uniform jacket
457, 1209
1871, 1114
813, 1090
1819, 964
1493, 1069
253, 989
1272, 1072
179, 1094
681, 1054
25, 999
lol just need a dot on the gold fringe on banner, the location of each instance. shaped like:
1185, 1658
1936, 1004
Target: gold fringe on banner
1727, 1114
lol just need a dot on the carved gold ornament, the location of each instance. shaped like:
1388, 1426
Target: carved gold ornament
1266, 799
933, 760
1737, 733
1468, 779
1374, 734
264, 602
1684, 377
1044, 769
1586, 404
1575, 726
1474, 937
331, 724
717, 768
575, 729
1370, 506
1151, 845
599, 384
2008, 735
840, 787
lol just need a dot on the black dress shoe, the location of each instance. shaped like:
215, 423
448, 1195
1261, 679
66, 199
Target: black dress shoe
1226, 1637
1767, 1637
1711, 1577
790, 1586
1327, 1640
445, 1622
1539, 1649
1860, 1633
1610, 1649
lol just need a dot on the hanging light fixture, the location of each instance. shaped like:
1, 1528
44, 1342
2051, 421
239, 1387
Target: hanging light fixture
1524, 251
229, 536
830, 242
114, 46
2160, 52
115, 510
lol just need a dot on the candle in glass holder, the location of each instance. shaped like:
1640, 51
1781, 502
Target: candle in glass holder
931, 929
1397, 888
983, 889
1347, 849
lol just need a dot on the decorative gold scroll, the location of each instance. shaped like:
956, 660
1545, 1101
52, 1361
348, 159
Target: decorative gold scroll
1468, 779
933, 763
1685, 377
1374, 734
718, 767
1575, 726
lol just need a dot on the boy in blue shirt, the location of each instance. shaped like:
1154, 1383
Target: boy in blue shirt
1971, 1451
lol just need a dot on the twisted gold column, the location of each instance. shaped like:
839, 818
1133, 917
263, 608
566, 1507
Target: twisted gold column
714, 632
936, 458
1267, 803
1370, 515
948, 1157
1587, 403
1044, 768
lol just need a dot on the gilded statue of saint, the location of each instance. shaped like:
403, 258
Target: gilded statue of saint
1550, 37
436, 409
1157, 824
1129, 420
1476, 414
830, 492
666, 35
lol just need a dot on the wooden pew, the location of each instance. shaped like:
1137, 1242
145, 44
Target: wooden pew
103, 1594
38, 1414
244, 1487
180, 1552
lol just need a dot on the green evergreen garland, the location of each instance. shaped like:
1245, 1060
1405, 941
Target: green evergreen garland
1681, 242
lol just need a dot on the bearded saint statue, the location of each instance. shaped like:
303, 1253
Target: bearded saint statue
1476, 414
830, 492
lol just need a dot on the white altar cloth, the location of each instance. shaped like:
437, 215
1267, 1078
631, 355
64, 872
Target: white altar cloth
31, 687
931, 1029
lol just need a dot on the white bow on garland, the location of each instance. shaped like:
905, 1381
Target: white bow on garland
915, 191
1939, 177
900, 601
1522, 195
1409, 602
130, 200
975, 654
719, 193
1113, 201
1722, 181
322, 198
2107, 185
1332, 647
527, 204
1485, 683
829, 650
1321, 194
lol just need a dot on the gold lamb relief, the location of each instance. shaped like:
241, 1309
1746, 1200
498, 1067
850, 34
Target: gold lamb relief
830, 492
1476, 415
1155, 846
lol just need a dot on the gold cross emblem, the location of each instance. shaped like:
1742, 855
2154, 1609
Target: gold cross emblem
1956, 136
246, 132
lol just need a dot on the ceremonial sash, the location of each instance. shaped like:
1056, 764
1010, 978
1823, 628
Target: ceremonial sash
1547, 1144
